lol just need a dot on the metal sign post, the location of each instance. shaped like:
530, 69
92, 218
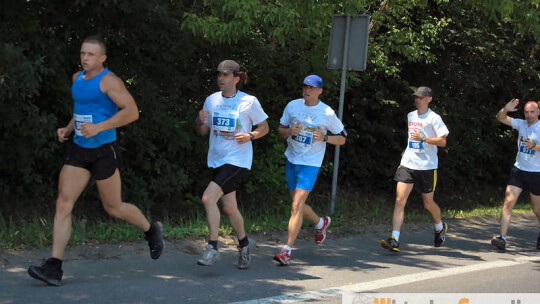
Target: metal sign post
347, 51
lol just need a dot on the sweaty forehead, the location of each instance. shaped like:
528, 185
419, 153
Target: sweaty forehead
531, 106
92, 47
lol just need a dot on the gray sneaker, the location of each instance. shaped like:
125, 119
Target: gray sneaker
209, 256
244, 254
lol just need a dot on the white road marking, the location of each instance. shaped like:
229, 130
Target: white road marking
382, 283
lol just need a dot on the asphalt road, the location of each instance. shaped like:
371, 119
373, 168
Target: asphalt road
124, 273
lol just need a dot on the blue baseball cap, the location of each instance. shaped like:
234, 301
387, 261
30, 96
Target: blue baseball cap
313, 81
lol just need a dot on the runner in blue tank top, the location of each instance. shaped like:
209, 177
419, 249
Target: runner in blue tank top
101, 104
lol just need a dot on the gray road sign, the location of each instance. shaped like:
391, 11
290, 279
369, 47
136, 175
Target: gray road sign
357, 42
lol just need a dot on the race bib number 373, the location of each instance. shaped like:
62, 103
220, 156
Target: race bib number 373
224, 121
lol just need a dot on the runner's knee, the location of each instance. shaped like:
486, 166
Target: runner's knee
509, 204
296, 208
207, 201
64, 206
229, 210
428, 204
113, 210
401, 201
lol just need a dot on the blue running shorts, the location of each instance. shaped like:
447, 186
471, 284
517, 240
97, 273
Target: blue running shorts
301, 176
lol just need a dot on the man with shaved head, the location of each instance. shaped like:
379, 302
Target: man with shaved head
525, 174
101, 103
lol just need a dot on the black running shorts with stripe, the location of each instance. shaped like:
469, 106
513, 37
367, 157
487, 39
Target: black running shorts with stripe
424, 181
102, 161
228, 177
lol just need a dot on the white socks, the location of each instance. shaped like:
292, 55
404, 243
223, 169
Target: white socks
320, 224
288, 248
395, 234
439, 226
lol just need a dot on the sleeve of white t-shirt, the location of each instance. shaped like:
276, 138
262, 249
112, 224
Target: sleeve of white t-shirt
516, 123
439, 127
334, 124
257, 113
286, 118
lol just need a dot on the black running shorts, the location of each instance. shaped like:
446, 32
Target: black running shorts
525, 180
424, 181
101, 161
228, 177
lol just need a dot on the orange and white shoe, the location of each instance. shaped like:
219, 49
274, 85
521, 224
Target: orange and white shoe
284, 257
320, 234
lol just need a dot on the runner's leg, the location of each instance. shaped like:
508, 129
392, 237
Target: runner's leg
295, 222
403, 190
210, 198
511, 195
111, 198
72, 182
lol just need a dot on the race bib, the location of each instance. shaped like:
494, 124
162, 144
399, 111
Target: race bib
417, 146
224, 121
523, 149
79, 119
304, 138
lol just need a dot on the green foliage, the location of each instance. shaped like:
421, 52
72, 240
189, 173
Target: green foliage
474, 54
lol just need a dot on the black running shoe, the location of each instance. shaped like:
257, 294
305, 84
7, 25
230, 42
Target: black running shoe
390, 244
440, 236
498, 242
155, 241
47, 272
538, 242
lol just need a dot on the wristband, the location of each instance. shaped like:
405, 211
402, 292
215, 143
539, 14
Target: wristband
325, 139
251, 136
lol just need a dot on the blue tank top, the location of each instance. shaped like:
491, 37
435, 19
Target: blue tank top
92, 105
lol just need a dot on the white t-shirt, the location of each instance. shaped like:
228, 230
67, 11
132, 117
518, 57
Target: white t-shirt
303, 149
228, 116
527, 160
421, 155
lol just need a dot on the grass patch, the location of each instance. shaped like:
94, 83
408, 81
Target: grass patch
483, 211
36, 231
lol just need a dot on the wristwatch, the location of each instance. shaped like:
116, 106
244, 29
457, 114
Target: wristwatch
251, 136
325, 138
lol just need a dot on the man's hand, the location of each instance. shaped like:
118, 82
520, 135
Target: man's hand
242, 138
318, 134
203, 116
63, 134
529, 143
296, 128
415, 135
511, 106
89, 129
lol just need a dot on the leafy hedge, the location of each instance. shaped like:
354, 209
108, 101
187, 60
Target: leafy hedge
474, 54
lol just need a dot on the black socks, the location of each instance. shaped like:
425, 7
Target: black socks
213, 243
55, 262
243, 242
150, 231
